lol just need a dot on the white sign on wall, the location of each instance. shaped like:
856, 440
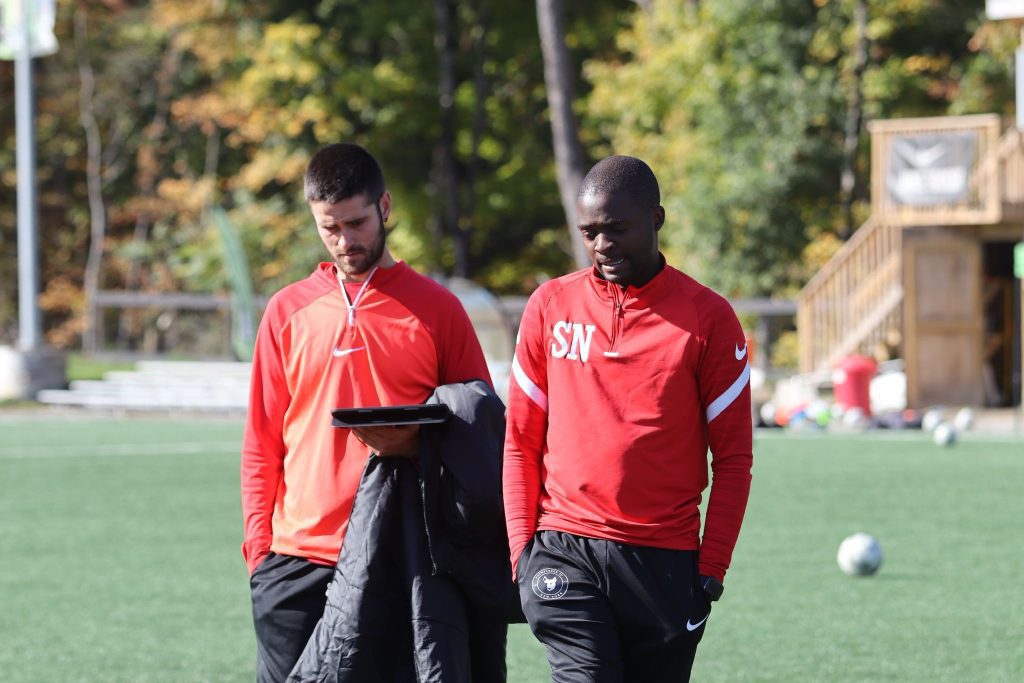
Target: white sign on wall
1004, 9
931, 169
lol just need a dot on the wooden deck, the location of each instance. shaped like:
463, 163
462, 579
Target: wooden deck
969, 178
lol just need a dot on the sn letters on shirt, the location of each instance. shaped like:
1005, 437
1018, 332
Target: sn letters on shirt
581, 336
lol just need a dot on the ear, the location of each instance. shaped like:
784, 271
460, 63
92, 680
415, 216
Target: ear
659, 217
385, 205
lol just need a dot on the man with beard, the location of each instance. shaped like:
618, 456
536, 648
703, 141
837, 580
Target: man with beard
362, 330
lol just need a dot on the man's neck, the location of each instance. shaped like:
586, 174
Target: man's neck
383, 263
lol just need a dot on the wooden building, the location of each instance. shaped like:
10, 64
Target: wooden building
930, 276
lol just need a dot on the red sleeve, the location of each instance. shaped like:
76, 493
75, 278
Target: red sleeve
460, 356
525, 431
724, 377
263, 447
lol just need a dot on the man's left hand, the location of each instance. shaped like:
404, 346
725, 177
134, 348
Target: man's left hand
398, 441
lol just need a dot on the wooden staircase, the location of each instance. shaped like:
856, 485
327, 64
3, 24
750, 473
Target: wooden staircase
855, 304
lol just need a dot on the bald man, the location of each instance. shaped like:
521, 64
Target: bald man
625, 375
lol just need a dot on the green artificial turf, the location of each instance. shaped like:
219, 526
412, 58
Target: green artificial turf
120, 553
119, 559
946, 604
81, 366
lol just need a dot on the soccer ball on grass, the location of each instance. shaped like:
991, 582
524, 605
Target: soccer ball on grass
859, 555
944, 435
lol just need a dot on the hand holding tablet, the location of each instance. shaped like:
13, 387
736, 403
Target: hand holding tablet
382, 416
390, 431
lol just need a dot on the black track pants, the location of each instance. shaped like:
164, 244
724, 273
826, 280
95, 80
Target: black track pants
288, 598
609, 612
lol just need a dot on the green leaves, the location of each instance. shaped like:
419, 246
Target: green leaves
740, 109
739, 106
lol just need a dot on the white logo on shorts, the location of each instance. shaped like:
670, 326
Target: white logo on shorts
549, 584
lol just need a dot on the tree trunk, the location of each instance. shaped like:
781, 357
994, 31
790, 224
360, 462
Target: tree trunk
854, 119
480, 86
570, 161
446, 171
129, 325
94, 183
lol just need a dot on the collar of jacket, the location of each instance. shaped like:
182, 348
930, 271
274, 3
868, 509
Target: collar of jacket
640, 297
326, 272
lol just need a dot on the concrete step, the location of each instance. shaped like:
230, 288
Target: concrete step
202, 368
140, 401
138, 379
158, 385
189, 385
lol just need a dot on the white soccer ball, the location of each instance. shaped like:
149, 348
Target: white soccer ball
859, 555
855, 418
931, 419
964, 419
944, 435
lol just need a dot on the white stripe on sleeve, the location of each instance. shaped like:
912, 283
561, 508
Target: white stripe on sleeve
529, 388
729, 395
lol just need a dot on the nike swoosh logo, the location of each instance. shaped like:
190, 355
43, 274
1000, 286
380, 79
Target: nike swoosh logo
338, 353
740, 353
927, 157
690, 626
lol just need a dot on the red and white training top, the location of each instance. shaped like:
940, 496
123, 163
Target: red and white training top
616, 397
402, 336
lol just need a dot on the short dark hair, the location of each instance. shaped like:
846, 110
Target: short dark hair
340, 171
623, 174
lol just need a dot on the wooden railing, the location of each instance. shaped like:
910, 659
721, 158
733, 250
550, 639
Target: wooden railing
854, 302
1010, 167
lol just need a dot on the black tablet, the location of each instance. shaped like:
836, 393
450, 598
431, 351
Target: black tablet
420, 413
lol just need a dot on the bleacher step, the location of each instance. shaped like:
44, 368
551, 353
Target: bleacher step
160, 385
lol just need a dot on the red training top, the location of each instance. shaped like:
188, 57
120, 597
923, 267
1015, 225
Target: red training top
615, 398
405, 336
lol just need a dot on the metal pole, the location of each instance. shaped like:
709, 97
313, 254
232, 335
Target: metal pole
29, 327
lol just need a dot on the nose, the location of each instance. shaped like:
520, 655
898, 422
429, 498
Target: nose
602, 243
342, 238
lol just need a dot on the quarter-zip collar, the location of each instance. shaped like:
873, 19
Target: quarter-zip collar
352, 303
631, 298
327, 273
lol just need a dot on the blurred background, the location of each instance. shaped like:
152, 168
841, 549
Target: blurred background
849, 174
170, 138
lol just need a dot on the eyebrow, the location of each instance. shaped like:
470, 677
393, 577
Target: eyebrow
347, 219
598, 226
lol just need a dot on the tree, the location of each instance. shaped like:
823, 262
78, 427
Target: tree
750, 114
722, 105
320, 72
93, 175
570, 160
854, 118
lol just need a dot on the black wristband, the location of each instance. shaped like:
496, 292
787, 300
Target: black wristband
713, 588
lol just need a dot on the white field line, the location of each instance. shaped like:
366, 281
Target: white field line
121, 450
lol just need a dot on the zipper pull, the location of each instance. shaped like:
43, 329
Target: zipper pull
612, 351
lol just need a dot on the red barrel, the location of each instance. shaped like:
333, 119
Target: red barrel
851, 382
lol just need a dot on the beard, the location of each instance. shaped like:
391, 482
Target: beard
360, 261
